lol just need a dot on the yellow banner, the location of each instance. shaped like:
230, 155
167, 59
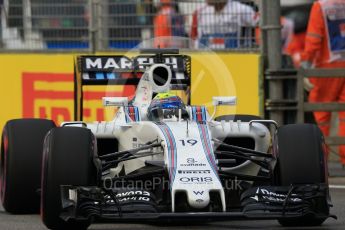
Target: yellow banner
41, 86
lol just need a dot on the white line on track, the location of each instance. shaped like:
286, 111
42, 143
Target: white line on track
337, 186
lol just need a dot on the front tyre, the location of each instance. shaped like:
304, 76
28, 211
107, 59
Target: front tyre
301, 160
68, 159
20, 164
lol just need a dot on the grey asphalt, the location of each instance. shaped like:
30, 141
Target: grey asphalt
33, 222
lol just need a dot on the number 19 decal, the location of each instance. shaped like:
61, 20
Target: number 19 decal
190, 142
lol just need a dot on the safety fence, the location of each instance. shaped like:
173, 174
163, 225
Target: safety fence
297, 103
99, 25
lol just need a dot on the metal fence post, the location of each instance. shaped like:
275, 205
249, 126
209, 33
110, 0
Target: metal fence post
97, 28
102, 24
271, 28
300, 96
27, 19
92, 26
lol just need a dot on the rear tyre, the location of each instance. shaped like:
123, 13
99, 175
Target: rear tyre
68, 159
20, 164
300, 160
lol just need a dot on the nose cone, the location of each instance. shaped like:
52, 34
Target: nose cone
198, 199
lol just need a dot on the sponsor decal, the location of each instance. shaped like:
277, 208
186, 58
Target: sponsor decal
192, 162
125, 64
196, 180
194, 171
106, 63
131, 196
143, 62
198, 193
264, 194
132, 193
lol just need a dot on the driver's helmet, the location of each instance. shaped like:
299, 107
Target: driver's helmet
166, 106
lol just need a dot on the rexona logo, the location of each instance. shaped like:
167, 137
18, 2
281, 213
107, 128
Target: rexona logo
132, 196
196, 179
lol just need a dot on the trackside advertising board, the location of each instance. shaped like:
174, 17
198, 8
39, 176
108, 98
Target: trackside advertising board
41, 86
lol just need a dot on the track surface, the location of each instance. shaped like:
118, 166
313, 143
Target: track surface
33, 222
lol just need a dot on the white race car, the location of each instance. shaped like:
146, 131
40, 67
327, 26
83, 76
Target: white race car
161, 158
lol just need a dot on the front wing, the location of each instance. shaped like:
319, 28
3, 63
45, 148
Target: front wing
265, 202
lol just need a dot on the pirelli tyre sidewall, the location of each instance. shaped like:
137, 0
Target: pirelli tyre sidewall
299, 149
68, 159
20, 167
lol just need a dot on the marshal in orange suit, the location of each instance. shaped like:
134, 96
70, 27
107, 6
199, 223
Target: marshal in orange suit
325, 48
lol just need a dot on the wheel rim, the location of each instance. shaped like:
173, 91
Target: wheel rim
4, 150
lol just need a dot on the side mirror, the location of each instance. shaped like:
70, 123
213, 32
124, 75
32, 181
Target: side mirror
224, 100
115, 101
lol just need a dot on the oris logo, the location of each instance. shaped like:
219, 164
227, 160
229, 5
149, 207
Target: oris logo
196, 179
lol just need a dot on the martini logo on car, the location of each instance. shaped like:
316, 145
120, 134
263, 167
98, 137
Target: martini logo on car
123, 63
106, 63
143, 62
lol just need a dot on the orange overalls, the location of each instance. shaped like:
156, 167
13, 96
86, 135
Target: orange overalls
169, 29
296, 47
325, 47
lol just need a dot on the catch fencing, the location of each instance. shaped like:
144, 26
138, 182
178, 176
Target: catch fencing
103, 25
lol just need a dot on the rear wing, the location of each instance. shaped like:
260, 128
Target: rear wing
123, 70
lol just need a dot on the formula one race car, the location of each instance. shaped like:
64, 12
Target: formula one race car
161, 158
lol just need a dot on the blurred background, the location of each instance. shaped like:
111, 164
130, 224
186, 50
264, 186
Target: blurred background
93, 25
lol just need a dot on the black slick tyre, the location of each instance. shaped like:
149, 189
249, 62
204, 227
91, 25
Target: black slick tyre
20, 164
68, 159
301, 160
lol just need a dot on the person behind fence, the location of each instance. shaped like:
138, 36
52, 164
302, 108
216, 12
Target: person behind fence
325, 48
218, 24
169, 26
